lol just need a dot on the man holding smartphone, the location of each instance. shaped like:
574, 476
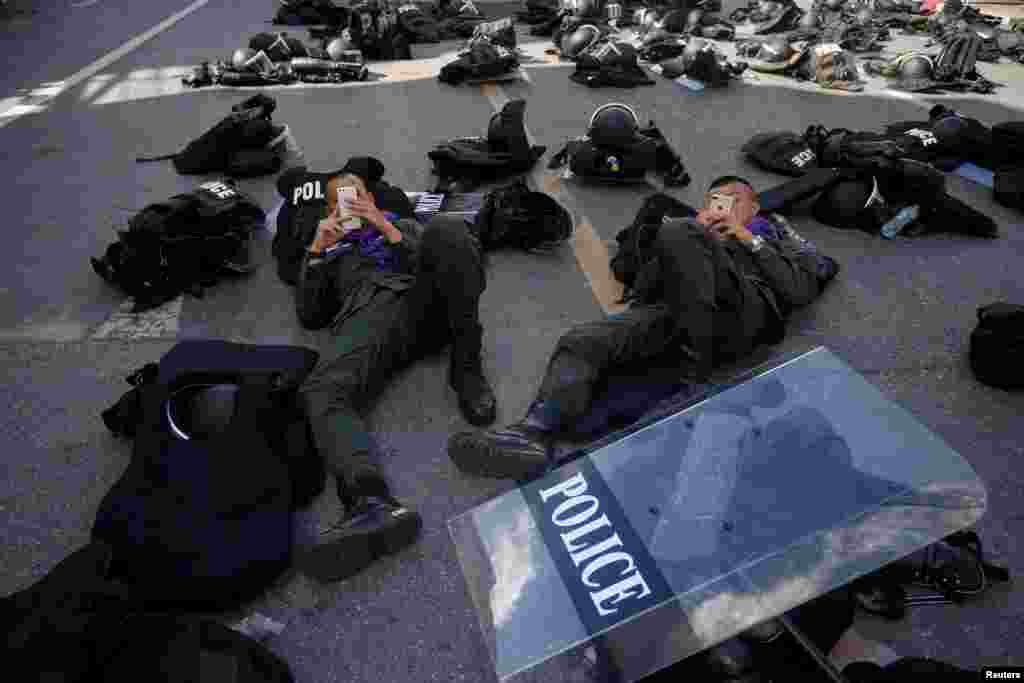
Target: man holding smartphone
717, 284
392, 292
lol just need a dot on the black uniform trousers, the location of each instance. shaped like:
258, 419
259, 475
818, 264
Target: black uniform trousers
396, 329
698, 274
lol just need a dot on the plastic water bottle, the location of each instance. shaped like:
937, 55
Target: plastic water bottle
897, 223
257, 627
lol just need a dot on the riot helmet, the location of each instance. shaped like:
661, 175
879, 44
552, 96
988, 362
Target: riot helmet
579, 40
613, 125
338, 46
916, 66
834, 5
775, 50
864, 16
201, 411
241, 57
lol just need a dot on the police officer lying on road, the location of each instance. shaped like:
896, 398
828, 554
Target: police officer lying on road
393, 293
717, 284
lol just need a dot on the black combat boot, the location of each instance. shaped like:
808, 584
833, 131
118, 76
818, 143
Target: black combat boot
374, 524
466, 377
521, 450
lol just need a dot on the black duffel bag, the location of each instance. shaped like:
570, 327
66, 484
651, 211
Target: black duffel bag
514, 216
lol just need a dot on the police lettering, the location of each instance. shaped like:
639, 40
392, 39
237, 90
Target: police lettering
219, 190
307, 191
925, 136
803, 158
600, 562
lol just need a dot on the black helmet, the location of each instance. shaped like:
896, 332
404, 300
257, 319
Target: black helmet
613, 53
953, 7
775, 50
241, 57
834, 5
916, 66
579, 40
809, 20
201, 411
613, 125
338, 46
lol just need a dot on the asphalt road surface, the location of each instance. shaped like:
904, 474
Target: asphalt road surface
87, 88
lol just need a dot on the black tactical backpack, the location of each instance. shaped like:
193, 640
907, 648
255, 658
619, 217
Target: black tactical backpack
636, 241
227, 147
505, 151
646, 152
182, 244
483, 59
785, 153
514, 216
204, 522
997, 345
102, 634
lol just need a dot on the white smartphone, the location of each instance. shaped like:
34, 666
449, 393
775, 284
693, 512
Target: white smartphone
721, 203
345, 195
348, 221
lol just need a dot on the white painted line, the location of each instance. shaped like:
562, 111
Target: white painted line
590, 250
95, 84
105, 61
84, 3
157, 323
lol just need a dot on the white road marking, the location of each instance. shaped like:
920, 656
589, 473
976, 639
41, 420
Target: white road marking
7, 116
84, 3
161, 322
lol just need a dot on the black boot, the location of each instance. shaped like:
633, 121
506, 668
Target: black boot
466, 377
372, 526
521, 450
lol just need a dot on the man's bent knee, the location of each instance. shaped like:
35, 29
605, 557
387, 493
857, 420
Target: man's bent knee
446, 230
677, 232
